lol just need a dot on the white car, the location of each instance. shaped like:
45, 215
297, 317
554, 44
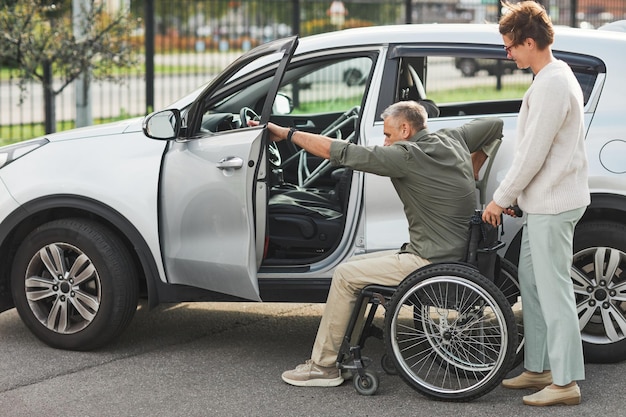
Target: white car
190, 204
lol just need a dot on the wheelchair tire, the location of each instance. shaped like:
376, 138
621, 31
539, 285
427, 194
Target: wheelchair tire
366, 384
451, 332
508, 282
386, 362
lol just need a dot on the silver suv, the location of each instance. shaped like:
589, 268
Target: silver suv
190, 204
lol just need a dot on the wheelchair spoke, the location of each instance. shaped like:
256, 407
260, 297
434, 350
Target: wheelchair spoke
449, 337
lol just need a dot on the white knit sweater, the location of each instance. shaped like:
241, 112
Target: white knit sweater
549, 170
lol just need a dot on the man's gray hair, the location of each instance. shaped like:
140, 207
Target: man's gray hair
410, 111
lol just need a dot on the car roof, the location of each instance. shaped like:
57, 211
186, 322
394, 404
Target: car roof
566, 38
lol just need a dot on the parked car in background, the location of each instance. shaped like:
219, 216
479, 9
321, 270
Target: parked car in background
617, 26
191, 204
470, 66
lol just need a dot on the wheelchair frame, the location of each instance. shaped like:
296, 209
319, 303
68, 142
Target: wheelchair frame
449, 330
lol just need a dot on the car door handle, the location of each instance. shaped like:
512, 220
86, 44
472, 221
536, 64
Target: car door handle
230, 162
304, 124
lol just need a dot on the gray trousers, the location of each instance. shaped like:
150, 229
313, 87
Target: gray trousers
551, 333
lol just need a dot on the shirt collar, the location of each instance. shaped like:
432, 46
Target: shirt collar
416, 137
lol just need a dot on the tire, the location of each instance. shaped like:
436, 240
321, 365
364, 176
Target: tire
463, 345
386, 362
352, 77
508, 282
599, 280
74, 284
468, 67
367, 384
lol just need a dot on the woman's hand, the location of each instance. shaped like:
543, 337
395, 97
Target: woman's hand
492, 214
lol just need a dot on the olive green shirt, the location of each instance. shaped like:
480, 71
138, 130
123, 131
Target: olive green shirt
434, 178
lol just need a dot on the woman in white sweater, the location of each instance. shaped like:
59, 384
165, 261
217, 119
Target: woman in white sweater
548, 180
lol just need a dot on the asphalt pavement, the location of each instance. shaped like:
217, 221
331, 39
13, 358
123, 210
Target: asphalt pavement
225, 359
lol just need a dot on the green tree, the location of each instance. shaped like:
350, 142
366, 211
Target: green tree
37, 36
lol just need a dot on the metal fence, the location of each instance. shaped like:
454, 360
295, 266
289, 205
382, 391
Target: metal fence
183, 44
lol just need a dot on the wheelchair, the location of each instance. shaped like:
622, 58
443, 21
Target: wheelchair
449, 330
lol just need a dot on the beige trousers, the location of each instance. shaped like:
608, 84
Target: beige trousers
382, 268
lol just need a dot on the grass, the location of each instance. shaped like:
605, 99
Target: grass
139, 70
479, 93
16, 133
327, 106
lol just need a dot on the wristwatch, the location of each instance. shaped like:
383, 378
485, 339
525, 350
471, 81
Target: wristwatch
292, 130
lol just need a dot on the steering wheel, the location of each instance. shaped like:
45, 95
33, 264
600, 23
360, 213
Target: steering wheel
306, 177
273, 154
246, 114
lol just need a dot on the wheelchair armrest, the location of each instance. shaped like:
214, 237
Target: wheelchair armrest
495, 247
381, 289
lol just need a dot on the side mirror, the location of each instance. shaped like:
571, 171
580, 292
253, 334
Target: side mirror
282, 104
163, 125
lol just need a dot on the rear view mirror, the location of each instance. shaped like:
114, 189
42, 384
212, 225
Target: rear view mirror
282, 104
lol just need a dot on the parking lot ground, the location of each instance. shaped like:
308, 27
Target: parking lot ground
225, 359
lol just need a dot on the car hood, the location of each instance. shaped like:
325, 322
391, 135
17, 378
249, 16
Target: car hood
107, 129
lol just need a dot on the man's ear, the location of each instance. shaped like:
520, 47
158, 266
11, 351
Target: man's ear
406, 131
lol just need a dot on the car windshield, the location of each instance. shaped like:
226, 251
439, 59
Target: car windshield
182, 103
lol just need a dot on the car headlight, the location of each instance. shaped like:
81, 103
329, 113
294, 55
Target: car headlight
10, 153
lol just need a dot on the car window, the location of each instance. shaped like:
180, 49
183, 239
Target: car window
455, 84
587, 79
327, 86
225, 113
465, 86
241, 89
331, 85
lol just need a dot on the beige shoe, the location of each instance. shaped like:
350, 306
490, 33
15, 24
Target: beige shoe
528, 380
554, 396
310, 374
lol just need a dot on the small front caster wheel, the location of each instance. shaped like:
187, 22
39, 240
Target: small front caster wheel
366, 384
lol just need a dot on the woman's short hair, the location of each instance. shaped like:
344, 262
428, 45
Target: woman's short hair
524, 20
410, 111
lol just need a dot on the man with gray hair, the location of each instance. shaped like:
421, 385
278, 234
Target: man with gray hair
434, 177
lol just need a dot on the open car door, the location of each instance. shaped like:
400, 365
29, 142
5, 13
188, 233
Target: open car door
213, 191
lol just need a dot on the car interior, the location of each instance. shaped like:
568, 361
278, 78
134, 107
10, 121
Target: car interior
309, 197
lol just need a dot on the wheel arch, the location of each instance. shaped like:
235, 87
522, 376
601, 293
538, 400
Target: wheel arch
37, 212
604, 206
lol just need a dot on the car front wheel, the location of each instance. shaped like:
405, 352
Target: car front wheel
74, 284
599, 278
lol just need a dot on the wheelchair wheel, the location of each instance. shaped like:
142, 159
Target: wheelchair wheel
451, 332
507, 282
386, 362
366, 384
